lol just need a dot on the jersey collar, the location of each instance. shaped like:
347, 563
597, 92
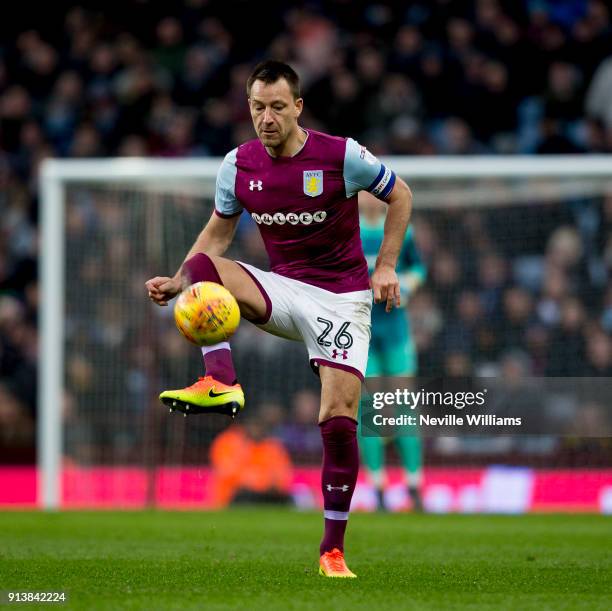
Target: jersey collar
296, 152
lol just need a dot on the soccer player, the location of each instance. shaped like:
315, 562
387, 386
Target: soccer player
392, 350
300, 186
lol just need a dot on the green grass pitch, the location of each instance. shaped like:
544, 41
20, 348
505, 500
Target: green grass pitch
267, 559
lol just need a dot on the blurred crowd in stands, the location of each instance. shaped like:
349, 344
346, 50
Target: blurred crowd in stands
518, 287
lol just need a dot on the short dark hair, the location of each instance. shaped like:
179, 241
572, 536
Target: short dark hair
270, 71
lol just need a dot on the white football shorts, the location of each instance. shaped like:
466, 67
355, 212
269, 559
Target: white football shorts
334, 327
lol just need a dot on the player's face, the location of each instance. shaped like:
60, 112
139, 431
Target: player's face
274, 111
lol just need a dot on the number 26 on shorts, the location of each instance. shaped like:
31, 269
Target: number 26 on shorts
342, 339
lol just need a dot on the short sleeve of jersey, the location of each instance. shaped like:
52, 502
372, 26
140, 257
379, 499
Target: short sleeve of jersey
226, 203
364, 172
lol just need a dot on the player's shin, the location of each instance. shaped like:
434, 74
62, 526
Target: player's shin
218, 358
339, 476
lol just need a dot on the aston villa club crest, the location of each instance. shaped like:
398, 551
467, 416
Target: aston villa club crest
313, 182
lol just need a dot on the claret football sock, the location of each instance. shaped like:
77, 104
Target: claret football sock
338, 478
218, 363
200, 268
218, 358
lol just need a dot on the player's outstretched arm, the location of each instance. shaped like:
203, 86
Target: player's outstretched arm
214, 239
384, 280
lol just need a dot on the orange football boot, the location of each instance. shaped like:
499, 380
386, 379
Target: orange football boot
332, 564
206, 396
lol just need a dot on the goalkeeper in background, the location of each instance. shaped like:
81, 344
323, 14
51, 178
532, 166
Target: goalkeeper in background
392, 351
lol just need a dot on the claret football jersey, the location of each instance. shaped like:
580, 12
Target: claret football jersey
306, 206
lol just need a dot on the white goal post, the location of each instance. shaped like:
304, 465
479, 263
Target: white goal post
57, 175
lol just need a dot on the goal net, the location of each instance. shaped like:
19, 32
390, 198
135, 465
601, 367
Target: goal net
518, 253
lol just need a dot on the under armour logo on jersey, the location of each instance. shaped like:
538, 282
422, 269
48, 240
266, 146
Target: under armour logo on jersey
255, 184
336, 353
342, 488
